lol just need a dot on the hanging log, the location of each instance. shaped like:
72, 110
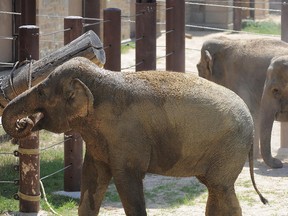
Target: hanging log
31, 73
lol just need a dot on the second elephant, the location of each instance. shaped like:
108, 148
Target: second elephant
241, 65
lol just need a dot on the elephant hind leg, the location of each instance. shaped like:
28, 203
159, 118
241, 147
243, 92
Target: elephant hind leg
222, 201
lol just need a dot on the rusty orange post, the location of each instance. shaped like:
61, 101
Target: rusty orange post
29, 160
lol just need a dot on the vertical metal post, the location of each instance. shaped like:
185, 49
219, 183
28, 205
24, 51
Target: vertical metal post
73, 143
237, 15
284, 37
175, 35
146, 36
91, 11
112, 38
252, 12
28, 12
29, 161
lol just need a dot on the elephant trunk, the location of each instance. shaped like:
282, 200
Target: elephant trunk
267, 116
20, 116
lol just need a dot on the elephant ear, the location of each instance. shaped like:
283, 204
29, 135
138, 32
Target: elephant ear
79, 99
209, 61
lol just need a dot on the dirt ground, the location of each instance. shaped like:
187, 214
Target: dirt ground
272, 183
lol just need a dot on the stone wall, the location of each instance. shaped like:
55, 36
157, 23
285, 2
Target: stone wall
6, 31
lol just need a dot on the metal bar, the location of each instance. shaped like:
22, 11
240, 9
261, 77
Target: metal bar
29, 168
237, 16
28, 12
91, 9
146, 30
29, 47
175, 41
112, 38
73, 148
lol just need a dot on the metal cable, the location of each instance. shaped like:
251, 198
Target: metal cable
8, 12
227, 30
133, 65
52, 33
228, 6
59, 143
54, 173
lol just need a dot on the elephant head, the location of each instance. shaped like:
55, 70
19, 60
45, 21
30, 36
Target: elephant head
211, 65
59, 99
274, 105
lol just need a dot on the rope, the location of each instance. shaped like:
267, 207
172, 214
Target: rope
11, 79
45, 198
26, 197
28, 151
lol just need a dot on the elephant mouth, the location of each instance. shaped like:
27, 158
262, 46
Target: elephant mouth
281, 116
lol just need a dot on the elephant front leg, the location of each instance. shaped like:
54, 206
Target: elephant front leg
96, 176
130, 188
266, 126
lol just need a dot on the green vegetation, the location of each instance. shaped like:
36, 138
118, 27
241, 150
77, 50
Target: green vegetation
125, 47
262, 27
166, 195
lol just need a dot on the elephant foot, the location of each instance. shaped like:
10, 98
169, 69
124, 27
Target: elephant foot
274, 163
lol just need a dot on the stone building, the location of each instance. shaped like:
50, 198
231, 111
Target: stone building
50, 15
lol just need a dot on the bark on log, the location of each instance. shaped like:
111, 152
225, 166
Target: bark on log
27, 75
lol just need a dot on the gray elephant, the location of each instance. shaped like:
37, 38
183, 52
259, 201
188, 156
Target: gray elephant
241, 65
134, 123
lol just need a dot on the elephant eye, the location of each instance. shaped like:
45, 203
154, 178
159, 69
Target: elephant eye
276, 92
41, 92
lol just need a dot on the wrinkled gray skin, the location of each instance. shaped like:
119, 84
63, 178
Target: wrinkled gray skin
165, 123
241, 65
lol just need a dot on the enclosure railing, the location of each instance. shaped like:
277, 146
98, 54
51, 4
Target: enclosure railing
145, 59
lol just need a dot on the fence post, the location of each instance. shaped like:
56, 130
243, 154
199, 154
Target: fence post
112, 38
28, 12
237, 15
284, 37
175, 35
29, 161
146, 35
73, 143
91, 10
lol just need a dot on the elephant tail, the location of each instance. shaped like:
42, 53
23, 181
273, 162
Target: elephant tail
251, 166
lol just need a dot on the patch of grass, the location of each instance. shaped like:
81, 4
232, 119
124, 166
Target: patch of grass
127, 46
51, 160
190, 193
111, 194
262, 27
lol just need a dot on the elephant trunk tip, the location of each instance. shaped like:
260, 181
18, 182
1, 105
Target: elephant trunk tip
22, 127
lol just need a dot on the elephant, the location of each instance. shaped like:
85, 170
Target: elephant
241, 65
133, 123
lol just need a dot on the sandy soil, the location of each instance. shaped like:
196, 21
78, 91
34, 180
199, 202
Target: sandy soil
272, 183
